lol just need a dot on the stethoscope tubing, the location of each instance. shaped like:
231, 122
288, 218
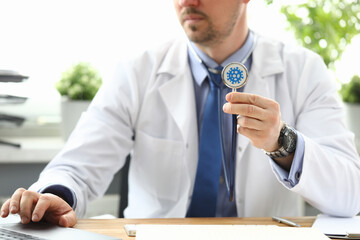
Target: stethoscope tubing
229, 166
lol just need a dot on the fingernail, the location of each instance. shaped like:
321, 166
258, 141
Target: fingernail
225, 107
63, 222
228, 97
24, 219
13, 209
35, 217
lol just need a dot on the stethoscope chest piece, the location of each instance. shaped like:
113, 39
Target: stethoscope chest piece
234, 75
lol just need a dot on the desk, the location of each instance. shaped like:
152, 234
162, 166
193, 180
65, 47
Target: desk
115, 227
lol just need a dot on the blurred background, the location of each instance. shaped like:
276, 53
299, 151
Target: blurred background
42, 42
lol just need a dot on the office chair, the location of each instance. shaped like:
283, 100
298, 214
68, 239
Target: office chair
124, 187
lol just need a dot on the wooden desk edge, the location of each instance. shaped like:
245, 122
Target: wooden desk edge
115, 227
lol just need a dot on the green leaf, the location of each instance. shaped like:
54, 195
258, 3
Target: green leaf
335, 21
81, 82
350, 92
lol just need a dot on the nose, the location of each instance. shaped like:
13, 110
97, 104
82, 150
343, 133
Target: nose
187, 3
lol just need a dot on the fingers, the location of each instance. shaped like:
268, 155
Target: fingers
68, 219
15, 201
246, 110
40, 208
5, 209
21, 202
27, 203
251, 108
252, 99
54, 209
250, 105
249, 123
259, 118
34, 206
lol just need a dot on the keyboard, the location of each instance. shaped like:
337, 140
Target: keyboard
6, 234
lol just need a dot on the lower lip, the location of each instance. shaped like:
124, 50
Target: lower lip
193, 20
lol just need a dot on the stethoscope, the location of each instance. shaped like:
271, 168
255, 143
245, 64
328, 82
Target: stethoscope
234, 75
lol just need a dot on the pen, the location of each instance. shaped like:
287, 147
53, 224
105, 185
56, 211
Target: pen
287, 222
353, 235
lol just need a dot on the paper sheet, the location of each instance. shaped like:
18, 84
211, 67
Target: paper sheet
337, 226
228, 232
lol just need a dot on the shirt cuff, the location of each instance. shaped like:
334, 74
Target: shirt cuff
63, 192
290, 179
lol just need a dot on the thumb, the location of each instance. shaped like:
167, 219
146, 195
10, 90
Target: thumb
68, 219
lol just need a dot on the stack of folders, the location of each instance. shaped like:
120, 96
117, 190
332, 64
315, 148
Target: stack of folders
11, 76
10, 120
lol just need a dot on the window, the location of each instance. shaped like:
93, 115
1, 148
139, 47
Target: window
41, 39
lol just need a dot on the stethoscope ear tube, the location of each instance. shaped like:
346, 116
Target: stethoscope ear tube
228, 161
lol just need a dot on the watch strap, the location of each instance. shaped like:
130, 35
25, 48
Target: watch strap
281, 152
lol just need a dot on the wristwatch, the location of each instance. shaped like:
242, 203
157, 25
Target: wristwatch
287, 143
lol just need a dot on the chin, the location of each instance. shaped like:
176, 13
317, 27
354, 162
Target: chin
193, 34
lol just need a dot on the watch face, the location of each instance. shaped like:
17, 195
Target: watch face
289, 139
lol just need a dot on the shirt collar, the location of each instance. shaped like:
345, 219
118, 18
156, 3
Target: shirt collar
198, 69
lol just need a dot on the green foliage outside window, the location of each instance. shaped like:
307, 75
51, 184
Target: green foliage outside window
324, 26
81, 82
327, 27
350, 92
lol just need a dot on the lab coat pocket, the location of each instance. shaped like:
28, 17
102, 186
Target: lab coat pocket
158, 163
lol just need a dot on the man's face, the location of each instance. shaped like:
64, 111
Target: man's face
207, 22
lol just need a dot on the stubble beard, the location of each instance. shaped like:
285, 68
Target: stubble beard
207, 37
210, 35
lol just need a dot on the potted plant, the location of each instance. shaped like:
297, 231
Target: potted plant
77, 86
350, 93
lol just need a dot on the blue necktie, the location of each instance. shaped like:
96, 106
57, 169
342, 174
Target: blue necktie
204, 198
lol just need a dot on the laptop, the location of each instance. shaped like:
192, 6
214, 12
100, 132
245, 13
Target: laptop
10, 229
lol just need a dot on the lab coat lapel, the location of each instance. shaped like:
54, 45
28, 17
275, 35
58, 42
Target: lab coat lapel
178, 96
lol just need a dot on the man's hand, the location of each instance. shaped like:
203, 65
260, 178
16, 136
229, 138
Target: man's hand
259, 119
36, 206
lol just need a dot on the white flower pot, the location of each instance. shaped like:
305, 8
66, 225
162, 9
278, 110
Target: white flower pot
71, 111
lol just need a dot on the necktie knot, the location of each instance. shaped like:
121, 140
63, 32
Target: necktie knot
215, 78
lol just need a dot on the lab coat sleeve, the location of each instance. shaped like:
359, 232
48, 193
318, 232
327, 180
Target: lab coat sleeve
98, 146
291, 178
330, 179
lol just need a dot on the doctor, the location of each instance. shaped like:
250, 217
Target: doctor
152, 106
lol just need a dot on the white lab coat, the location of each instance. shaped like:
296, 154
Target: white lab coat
152, 100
